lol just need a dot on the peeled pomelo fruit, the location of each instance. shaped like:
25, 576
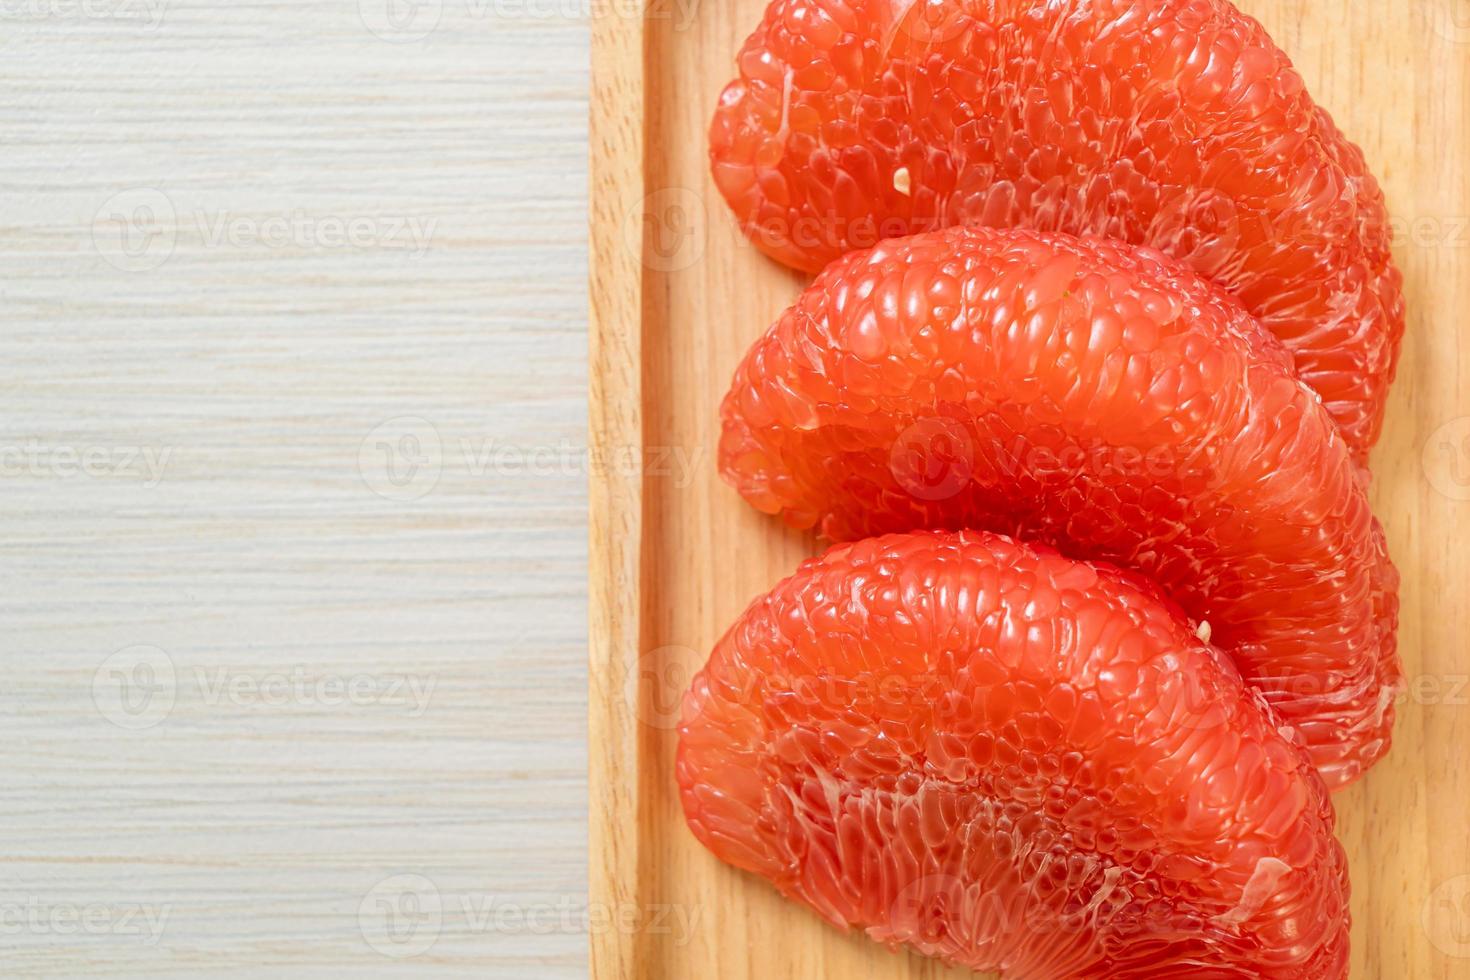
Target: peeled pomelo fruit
1015, 762
1100, 399
1175, 124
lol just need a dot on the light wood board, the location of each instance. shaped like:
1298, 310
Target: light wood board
677, 298
259, 822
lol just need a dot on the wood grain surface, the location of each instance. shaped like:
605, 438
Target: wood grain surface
293, 488
676, 555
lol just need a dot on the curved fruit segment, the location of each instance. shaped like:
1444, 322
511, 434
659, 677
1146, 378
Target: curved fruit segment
1100, 399
1014, 762
1175, 124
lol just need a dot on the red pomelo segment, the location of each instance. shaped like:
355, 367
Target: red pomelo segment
1175, 124
1014, 762
1100, 399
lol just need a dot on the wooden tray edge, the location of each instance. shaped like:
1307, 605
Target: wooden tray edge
615, 426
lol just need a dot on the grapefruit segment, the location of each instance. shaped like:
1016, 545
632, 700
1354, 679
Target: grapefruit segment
1100, 399
1175, 124
1015, 762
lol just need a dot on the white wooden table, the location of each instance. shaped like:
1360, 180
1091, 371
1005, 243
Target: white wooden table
292, 488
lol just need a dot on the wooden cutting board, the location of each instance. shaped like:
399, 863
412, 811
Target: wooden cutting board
677, 296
